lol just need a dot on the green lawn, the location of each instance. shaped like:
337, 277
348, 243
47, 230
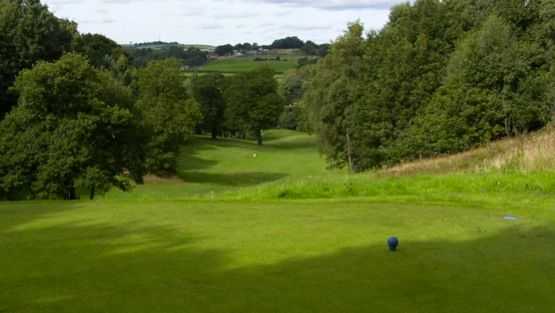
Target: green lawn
248, 242
208, 168
245, 64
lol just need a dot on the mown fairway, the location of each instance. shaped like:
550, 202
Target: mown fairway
209, 168
156, 250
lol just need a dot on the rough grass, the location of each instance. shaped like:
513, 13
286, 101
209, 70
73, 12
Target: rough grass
281, 233
420, 187
527, 153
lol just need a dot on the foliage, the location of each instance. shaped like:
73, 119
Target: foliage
101, 51
28, 33
293, 117
253, 102
292, 84
440, 77
331, 93
288, 43
73, 124
224, 50
291, 88
208, 92
169, 112
311, 48
191, 57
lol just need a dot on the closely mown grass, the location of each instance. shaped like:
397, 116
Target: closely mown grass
254, 229
208, 168
276, 256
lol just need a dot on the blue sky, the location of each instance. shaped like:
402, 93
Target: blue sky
221, 21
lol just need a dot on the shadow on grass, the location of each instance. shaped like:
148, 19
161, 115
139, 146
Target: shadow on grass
93, 267
290, 144
191, 166
232, 179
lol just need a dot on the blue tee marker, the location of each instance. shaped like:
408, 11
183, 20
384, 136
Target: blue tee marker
393, 243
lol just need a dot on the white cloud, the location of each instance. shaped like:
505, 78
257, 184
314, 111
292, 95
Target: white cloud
221, 21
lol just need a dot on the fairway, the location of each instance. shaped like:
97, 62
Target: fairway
209, 168
184, 244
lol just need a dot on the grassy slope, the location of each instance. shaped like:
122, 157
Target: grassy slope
528, 153
156, 250
245, 64
208, 168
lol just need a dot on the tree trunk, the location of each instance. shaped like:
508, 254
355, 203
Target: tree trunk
93, 191
349, 153
71, 194
214, 134
259, 137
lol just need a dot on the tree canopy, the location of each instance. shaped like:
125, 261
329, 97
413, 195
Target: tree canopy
288, 43
208, 92
28, 33
169, 112
101, 51
253, 103
440, 77
72, 131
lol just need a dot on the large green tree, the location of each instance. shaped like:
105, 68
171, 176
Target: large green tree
493, 88
169, 112
28, 33
333, 91
440, 77
101, 51
253, 102
208, 92
72, 132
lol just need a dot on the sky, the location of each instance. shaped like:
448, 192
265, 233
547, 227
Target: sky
218, 22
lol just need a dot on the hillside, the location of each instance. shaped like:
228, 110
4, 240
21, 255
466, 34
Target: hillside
290, 167
527, 153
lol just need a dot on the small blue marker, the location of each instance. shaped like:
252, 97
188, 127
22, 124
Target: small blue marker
393, 243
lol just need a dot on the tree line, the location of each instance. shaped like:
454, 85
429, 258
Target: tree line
191, 57
78, 118
440, 77
308, 47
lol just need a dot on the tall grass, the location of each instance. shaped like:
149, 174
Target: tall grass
527, 153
